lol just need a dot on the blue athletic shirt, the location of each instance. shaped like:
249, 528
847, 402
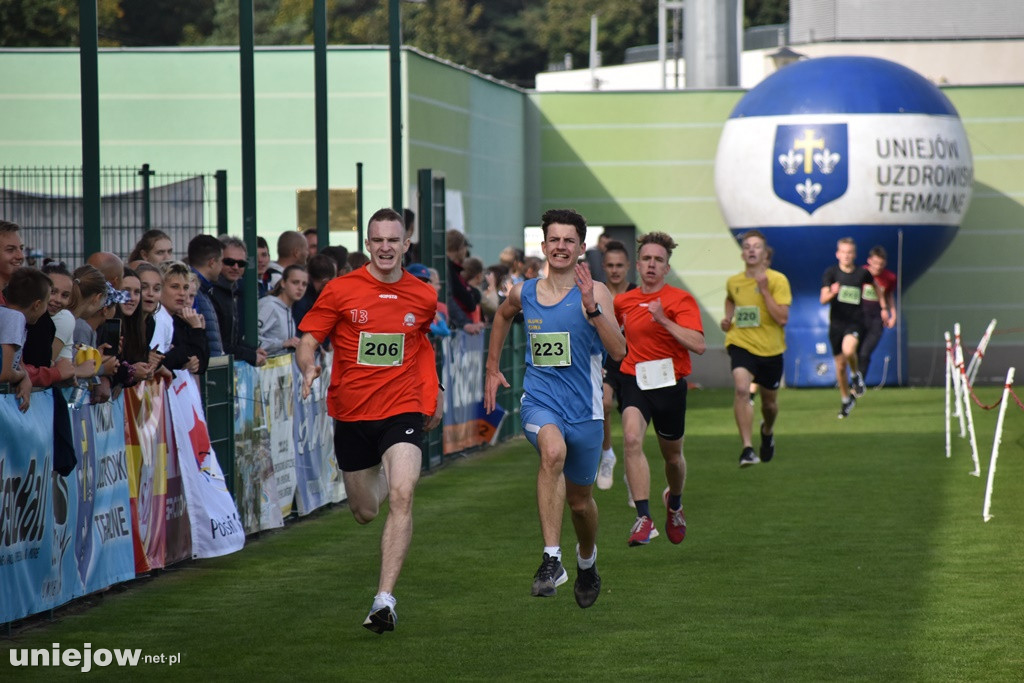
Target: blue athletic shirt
573, 391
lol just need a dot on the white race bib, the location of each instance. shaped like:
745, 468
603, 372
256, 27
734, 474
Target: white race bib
655, 374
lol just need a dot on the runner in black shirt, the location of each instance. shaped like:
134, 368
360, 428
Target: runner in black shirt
842, 285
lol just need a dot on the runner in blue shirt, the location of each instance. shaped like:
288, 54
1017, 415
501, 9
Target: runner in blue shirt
569, 321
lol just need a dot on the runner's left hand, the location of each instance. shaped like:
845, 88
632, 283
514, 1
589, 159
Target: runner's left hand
586, 284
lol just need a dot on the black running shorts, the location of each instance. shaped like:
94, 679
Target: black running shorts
361, 445
767, 370
666, 407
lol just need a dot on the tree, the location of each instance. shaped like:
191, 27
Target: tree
51, 23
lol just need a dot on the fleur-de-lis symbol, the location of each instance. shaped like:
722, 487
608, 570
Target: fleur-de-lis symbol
808, 190
791, 161
826, 160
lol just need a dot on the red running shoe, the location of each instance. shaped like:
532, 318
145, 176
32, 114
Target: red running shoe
675, 523
642, 532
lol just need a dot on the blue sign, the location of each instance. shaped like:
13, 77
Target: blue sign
810, 164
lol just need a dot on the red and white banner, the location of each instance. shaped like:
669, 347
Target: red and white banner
216, 526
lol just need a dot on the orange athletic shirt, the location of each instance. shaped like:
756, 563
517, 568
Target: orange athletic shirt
359, 303
646, 339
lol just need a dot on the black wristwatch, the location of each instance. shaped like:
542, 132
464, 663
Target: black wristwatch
596, 312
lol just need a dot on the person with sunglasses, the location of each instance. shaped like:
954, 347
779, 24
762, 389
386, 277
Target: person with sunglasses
228, 296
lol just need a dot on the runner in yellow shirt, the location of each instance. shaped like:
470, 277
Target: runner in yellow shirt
756, 310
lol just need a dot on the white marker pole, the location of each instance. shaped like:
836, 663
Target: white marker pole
966, 395
986, 510
957, 388
979, 353
956, 379
949, 389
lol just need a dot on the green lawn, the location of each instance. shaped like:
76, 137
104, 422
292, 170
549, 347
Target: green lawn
860, 553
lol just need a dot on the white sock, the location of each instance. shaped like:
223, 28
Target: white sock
554, 551
608, 453
587, 563
384, 598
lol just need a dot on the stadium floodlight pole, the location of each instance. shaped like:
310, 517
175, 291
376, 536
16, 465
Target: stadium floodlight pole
986, 511
247, 88
979, 353
88, 52
966, 395
320, 105
395, 52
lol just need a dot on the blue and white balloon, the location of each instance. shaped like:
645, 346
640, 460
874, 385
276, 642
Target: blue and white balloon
843, 147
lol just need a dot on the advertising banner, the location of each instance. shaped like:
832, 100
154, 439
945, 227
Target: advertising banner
317, 475
103, 538
465, 422
216, 526
255, 485
279, 406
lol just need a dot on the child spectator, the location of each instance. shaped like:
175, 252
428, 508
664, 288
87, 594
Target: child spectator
38, 356
439, 328
28, 293
276, 324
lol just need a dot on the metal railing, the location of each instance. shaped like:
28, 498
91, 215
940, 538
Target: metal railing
46, 202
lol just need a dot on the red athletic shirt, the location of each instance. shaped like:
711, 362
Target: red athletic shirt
646, 339
367, 320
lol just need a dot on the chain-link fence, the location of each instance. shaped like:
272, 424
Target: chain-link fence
47, 203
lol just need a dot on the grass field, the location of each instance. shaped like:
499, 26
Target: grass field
858, 554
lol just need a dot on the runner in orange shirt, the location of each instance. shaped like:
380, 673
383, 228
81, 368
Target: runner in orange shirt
384, 391
663, 326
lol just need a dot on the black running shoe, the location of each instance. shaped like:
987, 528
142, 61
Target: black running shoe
847, 407
588, 586
857, 387
381, 620
549, 576
748, 457
767, 445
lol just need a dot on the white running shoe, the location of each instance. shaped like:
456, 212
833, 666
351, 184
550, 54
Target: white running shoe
606, 471
629, 494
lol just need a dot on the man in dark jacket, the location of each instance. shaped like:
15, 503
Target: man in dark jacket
228, 300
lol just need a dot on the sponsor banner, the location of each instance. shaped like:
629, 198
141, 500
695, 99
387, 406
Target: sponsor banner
61, 538
216, 526
278, 404
465, 424
254, 486
33, 545
176, 518
103, 541
325, 429
316, 471
162, 534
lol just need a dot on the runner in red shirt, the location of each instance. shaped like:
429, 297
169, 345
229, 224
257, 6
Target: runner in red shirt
663, 326
384, 391
879, 305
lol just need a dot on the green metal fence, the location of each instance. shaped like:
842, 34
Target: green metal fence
47, 203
